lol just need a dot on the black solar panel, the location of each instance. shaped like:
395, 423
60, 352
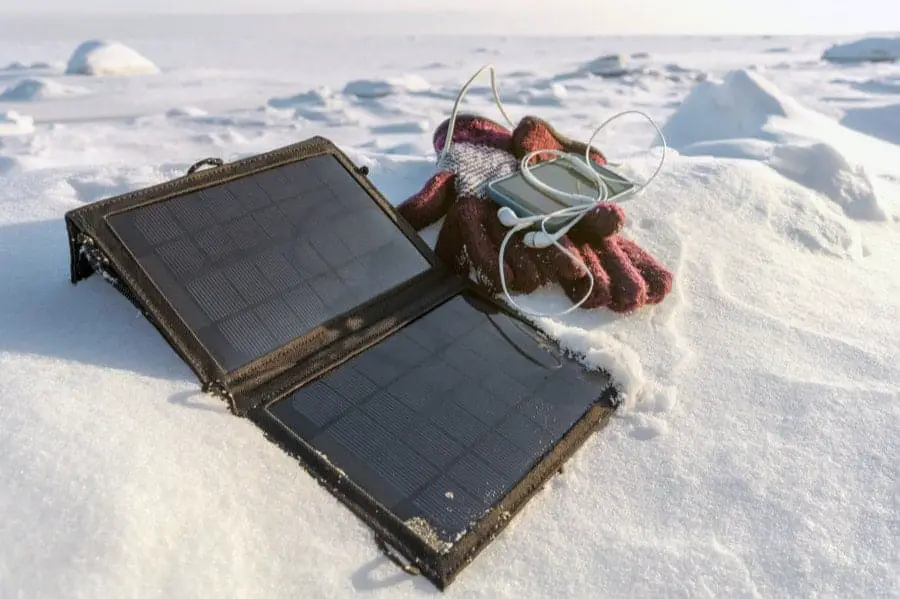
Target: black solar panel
437, 433
442, 419
256, 262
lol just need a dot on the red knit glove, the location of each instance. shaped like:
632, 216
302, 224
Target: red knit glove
626, 277
471, 234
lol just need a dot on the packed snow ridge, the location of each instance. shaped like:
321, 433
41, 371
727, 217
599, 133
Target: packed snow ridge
103, 58
31, 89
745, 116
870, 49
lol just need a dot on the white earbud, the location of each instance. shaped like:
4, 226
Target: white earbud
540, 240
507, 217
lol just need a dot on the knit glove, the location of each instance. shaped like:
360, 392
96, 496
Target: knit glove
626, 277
470, 236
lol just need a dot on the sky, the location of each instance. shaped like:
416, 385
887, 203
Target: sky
602, 16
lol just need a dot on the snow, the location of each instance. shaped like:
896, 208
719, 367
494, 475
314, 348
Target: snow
757, 453
13, 123
745, 115
611, 65
882, 121
380, 88
21, 66
186, 111
869, 49
102, 58
33, 88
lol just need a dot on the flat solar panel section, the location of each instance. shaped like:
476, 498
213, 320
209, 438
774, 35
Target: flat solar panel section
253, 263
441, 420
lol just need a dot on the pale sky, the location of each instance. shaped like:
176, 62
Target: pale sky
648, 16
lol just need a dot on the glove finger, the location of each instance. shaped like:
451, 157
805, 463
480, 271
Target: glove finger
561, 265
517, 256
629, 290
429, 204
657, 276
533, 133
450, 245
576, 288
602, 221
483, 255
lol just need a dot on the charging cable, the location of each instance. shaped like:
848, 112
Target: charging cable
583, 204
462, 92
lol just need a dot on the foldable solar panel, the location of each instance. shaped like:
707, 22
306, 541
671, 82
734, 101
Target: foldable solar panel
295, 292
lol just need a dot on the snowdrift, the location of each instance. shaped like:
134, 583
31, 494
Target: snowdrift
870, 49
32, 89
745, 115
102, 58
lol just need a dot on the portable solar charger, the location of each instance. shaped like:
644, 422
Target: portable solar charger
297, 294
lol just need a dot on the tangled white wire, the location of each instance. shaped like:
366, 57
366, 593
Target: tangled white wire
574, 214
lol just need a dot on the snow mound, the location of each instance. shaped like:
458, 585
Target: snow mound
870, 49
742, 104
610, 65
381, 88
320, 106
13, 123
101, 58
822, 168
186, 111
746, 116
320, 96
31, 89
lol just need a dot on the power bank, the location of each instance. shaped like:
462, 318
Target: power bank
526, 200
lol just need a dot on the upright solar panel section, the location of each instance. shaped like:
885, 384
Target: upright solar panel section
440, 421
258, 261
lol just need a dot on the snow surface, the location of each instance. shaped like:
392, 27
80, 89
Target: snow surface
868, 49
101, 58
13, 123
34, 88
757, 454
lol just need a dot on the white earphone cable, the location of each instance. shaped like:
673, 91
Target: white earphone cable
462, 92
584, 203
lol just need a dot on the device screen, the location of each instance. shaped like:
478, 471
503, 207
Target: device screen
557, 175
